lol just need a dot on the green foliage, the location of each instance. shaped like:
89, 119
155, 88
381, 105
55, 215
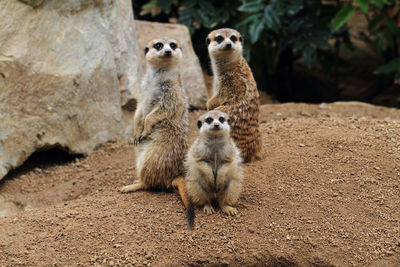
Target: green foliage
301, 26
278, 32
343, 16
383, 30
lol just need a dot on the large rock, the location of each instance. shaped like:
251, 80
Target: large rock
191, 73
67, 72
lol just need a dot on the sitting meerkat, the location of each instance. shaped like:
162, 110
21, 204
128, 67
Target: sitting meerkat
235, 91
213, 165
161, 121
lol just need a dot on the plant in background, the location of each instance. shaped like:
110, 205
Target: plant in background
383, 34
283, 31
276, 32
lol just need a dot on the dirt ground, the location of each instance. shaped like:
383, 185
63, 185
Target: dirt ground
327, 193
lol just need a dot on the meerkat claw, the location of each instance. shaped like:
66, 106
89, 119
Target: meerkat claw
229, 210
208, 209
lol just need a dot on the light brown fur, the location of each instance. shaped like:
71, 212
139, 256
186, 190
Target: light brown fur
160, 122
235, 92
213, 166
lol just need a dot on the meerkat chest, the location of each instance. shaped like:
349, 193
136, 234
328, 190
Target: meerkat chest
216, 154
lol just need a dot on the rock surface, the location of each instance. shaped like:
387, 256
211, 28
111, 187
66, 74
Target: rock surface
67, 73
191, 73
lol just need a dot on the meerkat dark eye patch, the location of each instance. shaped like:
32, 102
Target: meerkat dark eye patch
208, 41
221, 119
219, 39
173, 45
199, 124
233, 38
146, 50
158, 46
209, 120
229, 122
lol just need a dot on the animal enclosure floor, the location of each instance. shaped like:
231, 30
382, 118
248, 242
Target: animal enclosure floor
327, 192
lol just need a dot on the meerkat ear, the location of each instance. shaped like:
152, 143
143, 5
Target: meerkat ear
241, 39
208, 41
229, 122
146, 50
199, 124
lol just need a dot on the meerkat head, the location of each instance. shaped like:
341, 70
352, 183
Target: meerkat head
224, 43
215, 123
163, 52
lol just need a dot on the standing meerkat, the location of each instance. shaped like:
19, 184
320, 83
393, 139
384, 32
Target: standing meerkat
235, 91
213, 165
161, 121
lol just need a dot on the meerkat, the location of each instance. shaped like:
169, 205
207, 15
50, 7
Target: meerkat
235, 90
213, 165
161, 121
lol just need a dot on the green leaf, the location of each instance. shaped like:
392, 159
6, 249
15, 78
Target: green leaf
206, 6
375, 22
255, 30
378, 43
364, 5
150, 5
204, 19
247, 20
294, 7
392, 66
251, 7
308, 54
343, 16
378, 3
165, 5
397, 9
392, 25
295, 25
271, 19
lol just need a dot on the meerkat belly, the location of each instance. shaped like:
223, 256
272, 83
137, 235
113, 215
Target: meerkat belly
161, 156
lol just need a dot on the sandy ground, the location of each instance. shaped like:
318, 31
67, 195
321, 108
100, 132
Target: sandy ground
327, 193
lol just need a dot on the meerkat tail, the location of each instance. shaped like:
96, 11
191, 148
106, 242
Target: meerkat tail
180, 185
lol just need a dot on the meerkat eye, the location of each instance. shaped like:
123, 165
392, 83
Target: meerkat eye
158, 46
233, 38
146, 50
221, 119
209, 120
208, 41
173, 46
219, 39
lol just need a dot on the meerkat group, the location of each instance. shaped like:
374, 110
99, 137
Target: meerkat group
228, 132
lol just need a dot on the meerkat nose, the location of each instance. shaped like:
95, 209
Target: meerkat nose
228, 45
216, 126
168, 52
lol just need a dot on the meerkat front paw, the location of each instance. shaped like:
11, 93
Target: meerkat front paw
229, 210
137, 138
208, 209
